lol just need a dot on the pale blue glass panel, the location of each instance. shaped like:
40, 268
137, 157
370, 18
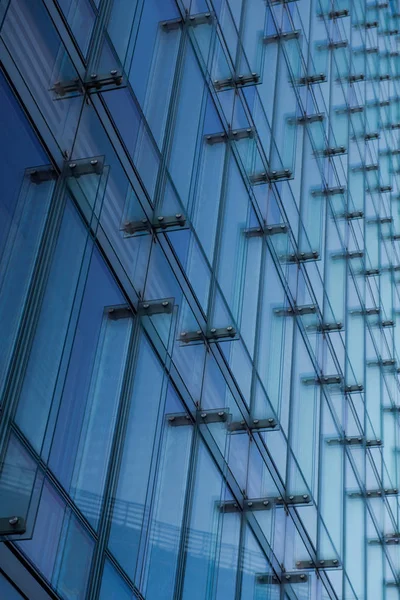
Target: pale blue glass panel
130, 497
43, 62
203, 533
113, 586
44, 361
8, 591
165, 526
91, 394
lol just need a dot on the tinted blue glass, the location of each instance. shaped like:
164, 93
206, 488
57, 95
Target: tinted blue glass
239, 421
7, 590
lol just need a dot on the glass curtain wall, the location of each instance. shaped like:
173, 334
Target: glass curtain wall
199, 269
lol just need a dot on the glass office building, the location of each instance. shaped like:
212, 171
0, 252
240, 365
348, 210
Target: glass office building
199, 302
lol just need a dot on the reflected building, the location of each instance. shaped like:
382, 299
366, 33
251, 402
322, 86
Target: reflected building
199, 268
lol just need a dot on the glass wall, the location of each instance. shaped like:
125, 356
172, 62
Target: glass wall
199, 358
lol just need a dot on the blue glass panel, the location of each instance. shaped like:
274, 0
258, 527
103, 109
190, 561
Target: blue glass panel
131, 493
90, 401
8, 591
113, 587
42, 369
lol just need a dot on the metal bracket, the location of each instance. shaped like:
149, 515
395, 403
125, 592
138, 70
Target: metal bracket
285, 578
310, 309
255, 424
367, 25
171, 25
207, 417
349, 109
179, 419
365, 312
348, 255
326, 327
367, 168
301, 257
335, 151
356, 77
200, 19
390, 539
350, 389
333, 45
93, 82
116, 313
270, 177
388, 323
386, 362
392, 409
371, 272
148, 308
304, 120
41, 174
371, 136
339, 14
356, 214
84, 166
287, 35
323, 380
161, 222
382, 221
333, 191
240, 80
266, 230
236, 134
12, 525
318, 564
374, 493
354, 441
311, 79
347, 441
389, 32
213, 334
258, 504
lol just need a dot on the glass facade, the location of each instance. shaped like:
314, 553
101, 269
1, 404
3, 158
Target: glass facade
199, 269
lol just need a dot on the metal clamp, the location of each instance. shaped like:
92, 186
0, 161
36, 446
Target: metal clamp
338, 14
333, 563
332, 191
300, 257
116, 313
200, 19
266, 230
334, 151
356, 387
284, 578
171, 25
84, 166
327, 327
311, 79
148, 308
374, 493
255, 424
348, 255
240, 80
160, 222
12, 525
39, 175
323, 380
310, 309
235, 135
287, 35
213, 334
93, 82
